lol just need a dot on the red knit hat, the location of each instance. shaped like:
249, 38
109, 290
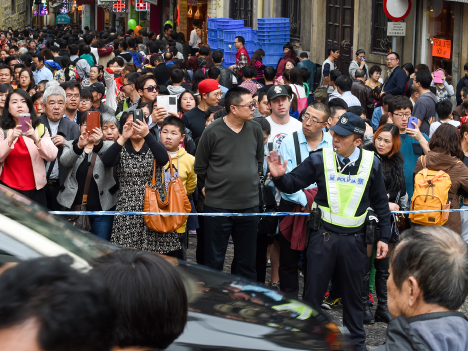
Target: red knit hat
207, 86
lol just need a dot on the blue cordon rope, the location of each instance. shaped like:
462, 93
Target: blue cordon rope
268, 214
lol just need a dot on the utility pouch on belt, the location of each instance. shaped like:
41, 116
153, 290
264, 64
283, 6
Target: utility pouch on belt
371, 230
315, 217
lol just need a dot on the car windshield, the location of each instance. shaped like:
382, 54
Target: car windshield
36, 217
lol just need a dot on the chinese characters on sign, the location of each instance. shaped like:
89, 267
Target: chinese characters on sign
396, 29
441, 48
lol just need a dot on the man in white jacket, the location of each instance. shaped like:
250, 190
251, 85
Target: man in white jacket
359, 63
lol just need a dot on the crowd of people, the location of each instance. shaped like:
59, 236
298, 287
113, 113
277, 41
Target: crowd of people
222, 123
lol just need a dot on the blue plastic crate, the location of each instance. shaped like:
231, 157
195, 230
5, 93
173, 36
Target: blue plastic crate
228, 46
274, 33
272, 48
230, 57
212, 22
270, 60
273, 20
255, 35
213, 34
213, 43
273, 26
273, 40
230, 35
228, 64
250, 53
227, 23
220, 34
250, 46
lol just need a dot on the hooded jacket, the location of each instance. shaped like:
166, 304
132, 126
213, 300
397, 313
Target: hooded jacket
185, 161
458, 172
424, 108
175, 90
441, 331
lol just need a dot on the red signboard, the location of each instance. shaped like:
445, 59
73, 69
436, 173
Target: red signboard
441, 48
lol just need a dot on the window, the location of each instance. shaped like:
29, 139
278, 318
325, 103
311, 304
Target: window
380, 42
242, 9
13, 7
292, 9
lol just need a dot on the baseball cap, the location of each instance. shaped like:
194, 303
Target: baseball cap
207, 86
98, 88
275, 91
348, 124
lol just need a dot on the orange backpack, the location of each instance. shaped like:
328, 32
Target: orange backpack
431, 190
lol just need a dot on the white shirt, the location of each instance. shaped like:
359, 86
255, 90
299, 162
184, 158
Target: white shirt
436, 125
281, 131
55, 172
300, 90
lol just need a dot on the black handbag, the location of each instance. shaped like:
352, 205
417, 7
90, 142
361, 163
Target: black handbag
82, 221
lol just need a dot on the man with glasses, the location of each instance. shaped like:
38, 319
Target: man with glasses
60, 129
72, 90
413, 142
396, 76
310, 138
195, 120
130, 91
41, 72
229, 159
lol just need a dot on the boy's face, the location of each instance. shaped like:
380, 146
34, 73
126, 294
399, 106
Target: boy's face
171, 137
209, 120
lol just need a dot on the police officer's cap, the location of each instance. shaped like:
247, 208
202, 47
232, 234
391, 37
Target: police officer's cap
348, 124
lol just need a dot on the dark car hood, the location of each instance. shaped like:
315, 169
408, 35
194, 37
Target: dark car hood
230, 313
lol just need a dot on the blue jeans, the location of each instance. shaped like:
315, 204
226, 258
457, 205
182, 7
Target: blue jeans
102, 226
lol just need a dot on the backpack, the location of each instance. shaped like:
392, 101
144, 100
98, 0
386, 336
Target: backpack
431, 190
317, 76
136, 58
73, 71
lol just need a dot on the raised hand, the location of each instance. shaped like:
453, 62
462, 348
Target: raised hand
277, 167
83, 140
96, 136
31, 133
15, 135
127, 132
141, 128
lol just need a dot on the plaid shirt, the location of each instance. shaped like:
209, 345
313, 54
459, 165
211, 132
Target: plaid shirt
241, 63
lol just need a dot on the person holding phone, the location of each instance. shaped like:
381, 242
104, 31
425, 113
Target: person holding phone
22, 155
444, 90
102, 193
359, 63
134, 154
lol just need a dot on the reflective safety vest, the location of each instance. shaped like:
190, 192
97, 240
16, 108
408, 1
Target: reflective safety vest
345, 192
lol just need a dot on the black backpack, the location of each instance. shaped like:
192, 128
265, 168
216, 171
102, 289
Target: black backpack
317, 76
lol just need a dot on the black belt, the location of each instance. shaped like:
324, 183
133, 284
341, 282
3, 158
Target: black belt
52, 181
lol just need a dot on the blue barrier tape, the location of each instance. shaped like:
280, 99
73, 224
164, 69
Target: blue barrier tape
268, 214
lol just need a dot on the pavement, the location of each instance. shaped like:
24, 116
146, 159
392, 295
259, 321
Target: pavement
375, 334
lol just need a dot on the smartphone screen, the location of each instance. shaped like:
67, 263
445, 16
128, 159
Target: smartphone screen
93, 120
137, 115
23, 118
412, 119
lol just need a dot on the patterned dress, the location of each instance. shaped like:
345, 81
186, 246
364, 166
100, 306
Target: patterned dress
135, 170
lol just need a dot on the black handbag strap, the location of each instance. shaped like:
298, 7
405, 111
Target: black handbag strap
88, 179
297, 148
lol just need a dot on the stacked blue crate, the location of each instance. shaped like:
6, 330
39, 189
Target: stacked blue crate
272, 34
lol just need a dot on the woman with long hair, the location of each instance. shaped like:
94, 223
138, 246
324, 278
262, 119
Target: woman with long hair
134, 154
296, 82
26, 79
186, 102
386, 144
22, 156
446, 152
256, 61
192, 66
96, 73
5, 89
37, 102
289, 55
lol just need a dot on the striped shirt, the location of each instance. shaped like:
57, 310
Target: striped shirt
257, 65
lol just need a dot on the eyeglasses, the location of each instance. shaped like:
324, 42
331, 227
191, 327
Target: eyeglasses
391, 59
401, 115
73, 96
85, 101
152, 88
252, 106
122, 87
314, 122
218, 95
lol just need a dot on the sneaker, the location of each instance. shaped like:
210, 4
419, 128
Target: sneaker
371, 300
329, 301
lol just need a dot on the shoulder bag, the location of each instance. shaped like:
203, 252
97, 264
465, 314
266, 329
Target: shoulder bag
176, 201
82, 221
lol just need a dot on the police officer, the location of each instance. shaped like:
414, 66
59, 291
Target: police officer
349, 181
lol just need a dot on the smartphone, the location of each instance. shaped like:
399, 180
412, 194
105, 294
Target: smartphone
412, 119
93, 120
169, 102
138, 115
23, 118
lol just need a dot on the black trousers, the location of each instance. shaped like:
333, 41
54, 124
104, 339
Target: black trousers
244, 235
34, 195
52, 190
346, 255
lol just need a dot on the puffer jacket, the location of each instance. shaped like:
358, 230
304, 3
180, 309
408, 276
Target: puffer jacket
458, 172
225, 78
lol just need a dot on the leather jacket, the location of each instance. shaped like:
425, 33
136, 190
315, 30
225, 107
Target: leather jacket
226, 75
364, 95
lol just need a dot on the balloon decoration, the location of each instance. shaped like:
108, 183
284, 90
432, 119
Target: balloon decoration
132, 24
137, 30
